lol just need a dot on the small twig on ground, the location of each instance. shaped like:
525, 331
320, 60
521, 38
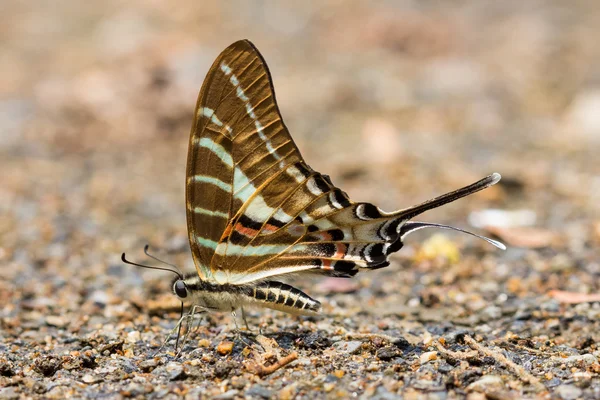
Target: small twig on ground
261, 370
457, 355
503, 343
382, 336
515, 368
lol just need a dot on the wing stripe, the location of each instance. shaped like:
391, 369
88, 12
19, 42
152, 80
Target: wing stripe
217, 149
210, 113
211, 213
257, 251
250, 111
212, 180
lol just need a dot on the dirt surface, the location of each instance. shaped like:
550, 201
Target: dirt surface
398, 102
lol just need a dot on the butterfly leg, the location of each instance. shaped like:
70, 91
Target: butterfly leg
187, 317
190, 318
177, 326
245, 321
245, 337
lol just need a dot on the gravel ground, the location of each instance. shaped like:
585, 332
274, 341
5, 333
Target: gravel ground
398, 102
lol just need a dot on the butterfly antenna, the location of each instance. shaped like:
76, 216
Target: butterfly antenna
146, 247
175, 271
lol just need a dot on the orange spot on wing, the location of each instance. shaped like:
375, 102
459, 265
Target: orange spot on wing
269, 228
245, 231
326, 236
340, 250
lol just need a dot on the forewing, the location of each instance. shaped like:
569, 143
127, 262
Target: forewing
238, 142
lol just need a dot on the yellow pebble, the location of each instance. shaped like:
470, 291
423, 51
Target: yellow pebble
225, 348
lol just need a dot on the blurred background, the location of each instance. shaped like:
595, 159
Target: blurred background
398, 101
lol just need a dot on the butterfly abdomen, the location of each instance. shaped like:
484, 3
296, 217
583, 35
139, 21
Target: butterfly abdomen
283, 297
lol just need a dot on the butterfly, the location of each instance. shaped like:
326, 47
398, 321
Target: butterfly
257, 211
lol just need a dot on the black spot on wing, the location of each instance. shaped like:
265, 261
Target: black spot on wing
321, 184
303, 168
340, 198
315, 262
366, 211
374, 253
276, 222
345, 268
381, 265
327, 179
326, 249
394, 247
235, 237
389, 230
313, 228
336, 234
247, 222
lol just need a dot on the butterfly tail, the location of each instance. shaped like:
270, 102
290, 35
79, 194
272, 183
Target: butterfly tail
439, 201
412, 226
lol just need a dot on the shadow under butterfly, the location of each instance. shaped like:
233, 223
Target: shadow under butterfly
256, 210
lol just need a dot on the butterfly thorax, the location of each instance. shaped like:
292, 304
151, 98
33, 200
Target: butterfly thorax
228, 297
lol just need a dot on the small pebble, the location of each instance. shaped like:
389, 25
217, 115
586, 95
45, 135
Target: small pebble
133, 337
9, 393
89, 378
148, 365
59, 322
328, 387
491, 313
259, 391
225, 348
6, 369
486, 383
428, 356
388, 352
350, 347
175, 371
569, 392
230, 394
47, 365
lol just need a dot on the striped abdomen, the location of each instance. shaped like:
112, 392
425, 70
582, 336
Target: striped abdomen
283, 297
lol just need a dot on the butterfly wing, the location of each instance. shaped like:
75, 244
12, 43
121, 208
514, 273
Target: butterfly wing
238, 141
255, 209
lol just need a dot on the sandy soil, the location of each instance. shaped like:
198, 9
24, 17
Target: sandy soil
398, 102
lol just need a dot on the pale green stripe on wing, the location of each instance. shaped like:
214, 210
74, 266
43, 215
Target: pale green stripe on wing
212, 180
217, 149
204, 211
234, 249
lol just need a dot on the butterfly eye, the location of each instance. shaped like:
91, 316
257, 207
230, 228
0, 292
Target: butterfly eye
180, 289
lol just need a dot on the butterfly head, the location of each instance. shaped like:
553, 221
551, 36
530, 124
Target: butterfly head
180, 288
